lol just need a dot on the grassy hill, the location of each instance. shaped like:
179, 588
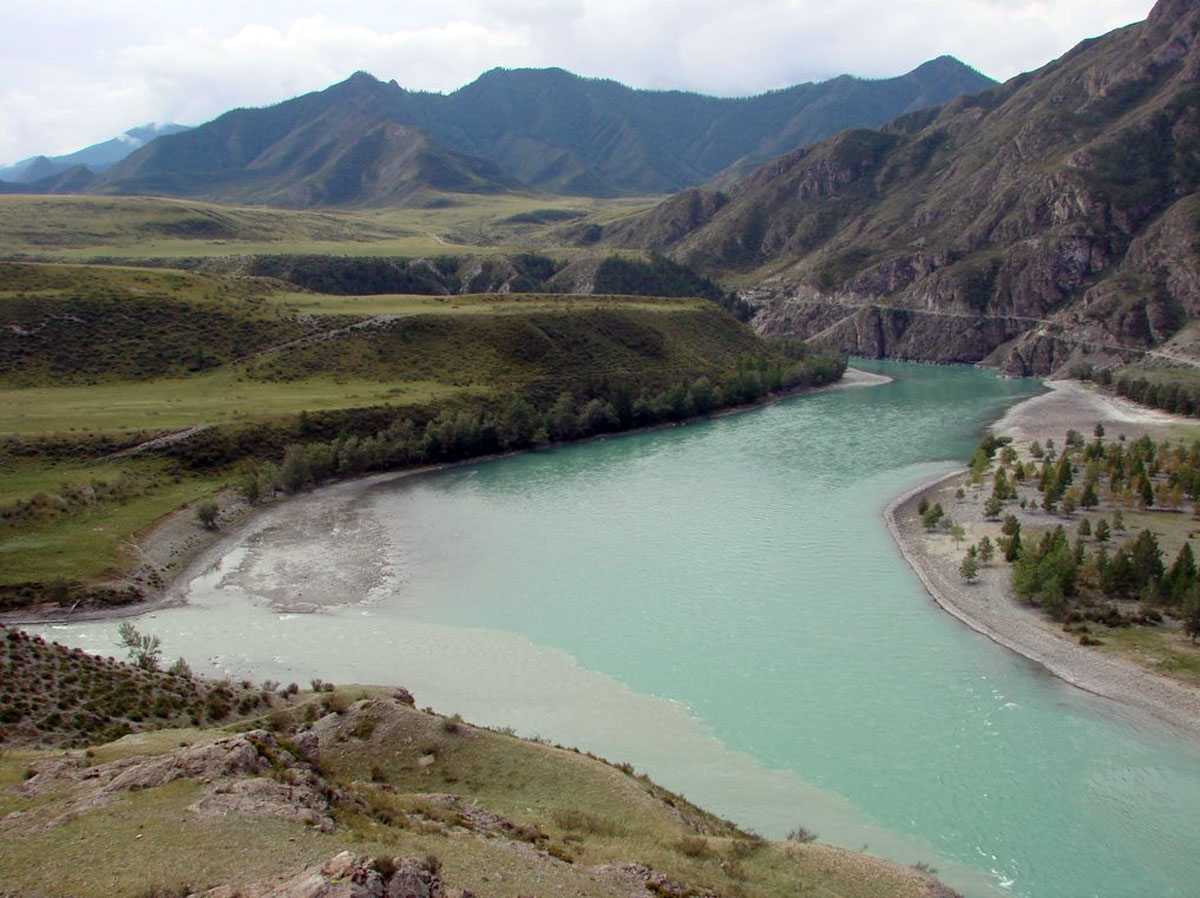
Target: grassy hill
70, 325
138, 228
131, 392
293, 778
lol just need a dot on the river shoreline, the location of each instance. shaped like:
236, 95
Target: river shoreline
175, 548
988, 607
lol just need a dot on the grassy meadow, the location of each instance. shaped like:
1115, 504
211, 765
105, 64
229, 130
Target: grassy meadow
79, 228
221, 396
97, 359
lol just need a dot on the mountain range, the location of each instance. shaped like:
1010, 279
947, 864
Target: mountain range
364, 142
1048, 223
96, 158
1051, 221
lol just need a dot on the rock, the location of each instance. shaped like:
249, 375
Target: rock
414, 879
404, 697
656, 883
307, 746
233, 768
349, 875
1048, 219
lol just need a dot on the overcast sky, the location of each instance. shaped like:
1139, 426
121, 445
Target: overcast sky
74, 73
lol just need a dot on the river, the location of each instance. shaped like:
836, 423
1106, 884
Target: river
721, 605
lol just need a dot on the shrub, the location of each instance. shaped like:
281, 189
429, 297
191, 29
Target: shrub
143, 650
734, 870
560, 853
801, 834
280, 721
575, 820
693, 846
206, 514
743, 848
334, 703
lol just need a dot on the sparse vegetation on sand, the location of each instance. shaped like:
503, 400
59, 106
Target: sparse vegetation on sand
1081, 540
1098, 533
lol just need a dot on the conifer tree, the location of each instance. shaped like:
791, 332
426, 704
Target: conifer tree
1012, 550
969, 569
1181, 578
1191, 619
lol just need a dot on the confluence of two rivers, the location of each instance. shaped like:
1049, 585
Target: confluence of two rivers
721, 605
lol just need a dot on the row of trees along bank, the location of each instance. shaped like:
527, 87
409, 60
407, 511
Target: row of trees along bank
455, 434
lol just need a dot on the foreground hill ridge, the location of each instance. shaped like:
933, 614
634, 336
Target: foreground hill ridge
1048, 222
352, 791
366, 142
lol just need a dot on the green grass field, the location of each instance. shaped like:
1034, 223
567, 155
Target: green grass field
96, 543
24, 477
92, 353
219, 397
1166, 651
82, 227
466, 304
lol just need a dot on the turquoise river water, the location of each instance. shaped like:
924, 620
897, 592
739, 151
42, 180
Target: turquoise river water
721, 605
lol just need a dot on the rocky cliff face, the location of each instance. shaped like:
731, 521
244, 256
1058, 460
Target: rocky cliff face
1051, 218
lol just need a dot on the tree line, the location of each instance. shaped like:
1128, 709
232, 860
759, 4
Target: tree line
1178, 397
458, 433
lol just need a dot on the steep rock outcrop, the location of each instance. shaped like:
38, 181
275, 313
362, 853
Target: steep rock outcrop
1057, 210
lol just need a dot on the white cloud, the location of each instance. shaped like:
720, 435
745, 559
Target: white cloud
199, 75
74, 73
